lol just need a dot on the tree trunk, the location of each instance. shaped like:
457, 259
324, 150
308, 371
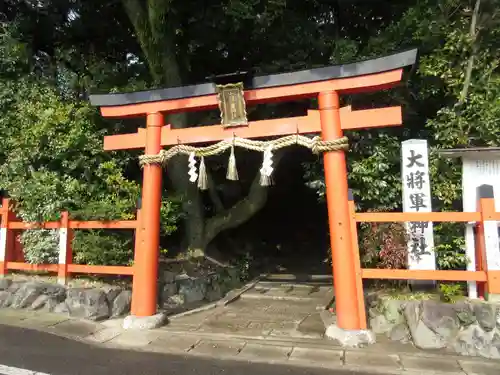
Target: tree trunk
473, 34
157, 40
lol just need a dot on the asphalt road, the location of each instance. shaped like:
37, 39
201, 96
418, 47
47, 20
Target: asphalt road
48, 354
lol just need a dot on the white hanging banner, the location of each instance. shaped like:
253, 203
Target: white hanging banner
417, 198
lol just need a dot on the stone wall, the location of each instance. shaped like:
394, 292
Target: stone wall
177, 292
86, 303
182, 291
468, 327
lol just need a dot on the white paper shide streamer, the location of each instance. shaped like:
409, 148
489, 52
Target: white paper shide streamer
193, 176
267, 167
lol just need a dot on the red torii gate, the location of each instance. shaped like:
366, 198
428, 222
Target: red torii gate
330, 120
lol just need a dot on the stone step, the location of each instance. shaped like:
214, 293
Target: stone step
300, 278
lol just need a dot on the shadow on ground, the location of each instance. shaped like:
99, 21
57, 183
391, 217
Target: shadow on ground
43, 352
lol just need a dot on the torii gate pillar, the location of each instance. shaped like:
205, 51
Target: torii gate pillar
344, 276
145, 286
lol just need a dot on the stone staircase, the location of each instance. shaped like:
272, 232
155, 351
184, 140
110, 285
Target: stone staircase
273, 309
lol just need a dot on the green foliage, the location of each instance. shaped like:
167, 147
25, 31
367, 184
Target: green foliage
50, 152
451, 292
449, 258
447, 292
113, 195
52, 160
374, 173
13, 54
439, 104
97, 248
450, 246
170, 214
396, 294
243, 266
40, 246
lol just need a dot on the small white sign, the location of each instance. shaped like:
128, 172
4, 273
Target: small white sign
63, 245
417, 198
480, 168
3, 244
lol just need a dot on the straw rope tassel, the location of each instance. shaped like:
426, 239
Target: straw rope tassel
267, 167
232, 171
202, 178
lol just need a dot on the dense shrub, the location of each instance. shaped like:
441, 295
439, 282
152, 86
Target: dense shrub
51, 159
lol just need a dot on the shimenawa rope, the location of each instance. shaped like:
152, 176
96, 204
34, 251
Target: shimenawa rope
316, 145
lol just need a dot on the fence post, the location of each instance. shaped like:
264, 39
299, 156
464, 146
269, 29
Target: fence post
137, 243
64, 249
15, 245
360, 295
4, 237
479, 263
487, 251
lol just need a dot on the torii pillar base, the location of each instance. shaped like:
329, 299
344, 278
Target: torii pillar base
144, 323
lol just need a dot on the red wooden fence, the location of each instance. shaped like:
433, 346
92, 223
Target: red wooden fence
11, 254
488, 279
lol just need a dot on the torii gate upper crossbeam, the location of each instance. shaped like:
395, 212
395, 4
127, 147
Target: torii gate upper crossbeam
362, 119
365, 76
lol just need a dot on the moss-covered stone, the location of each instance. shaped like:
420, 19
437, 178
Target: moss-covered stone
485, 313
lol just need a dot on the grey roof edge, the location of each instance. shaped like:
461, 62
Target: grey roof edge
458, 152
365, 67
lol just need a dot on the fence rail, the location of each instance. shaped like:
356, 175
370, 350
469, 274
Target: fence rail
122, 224
395, 217
21, 266
393, 274
11, 252
104, 270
